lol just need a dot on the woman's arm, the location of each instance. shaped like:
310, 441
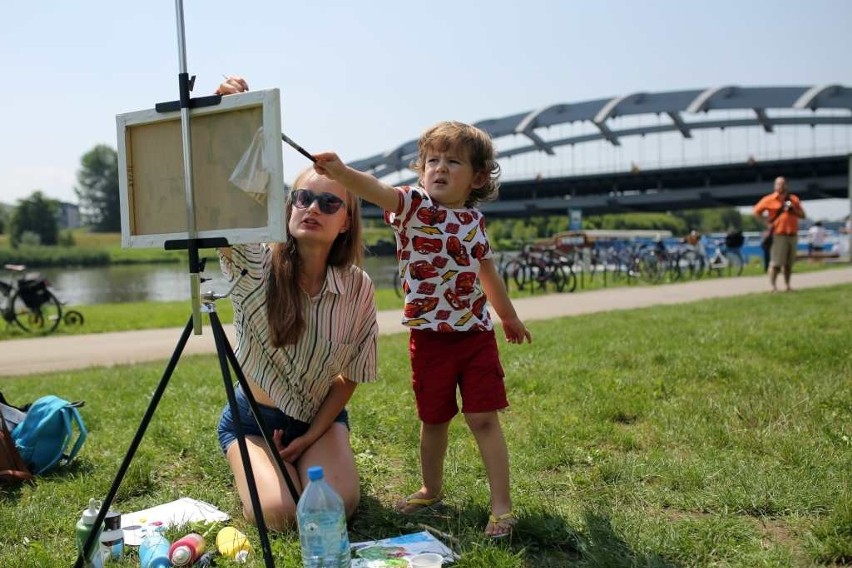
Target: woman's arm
335, 401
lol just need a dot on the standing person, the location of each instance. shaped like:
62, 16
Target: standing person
816, 240
306, 329
734, 240
448, 272
781, 210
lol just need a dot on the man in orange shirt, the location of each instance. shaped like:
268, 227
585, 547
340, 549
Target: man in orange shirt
781, 210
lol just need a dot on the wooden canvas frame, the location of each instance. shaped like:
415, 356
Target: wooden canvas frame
153, 200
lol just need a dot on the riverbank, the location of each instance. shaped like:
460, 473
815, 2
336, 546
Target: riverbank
53, 353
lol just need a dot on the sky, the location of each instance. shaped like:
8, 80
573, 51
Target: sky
360, 78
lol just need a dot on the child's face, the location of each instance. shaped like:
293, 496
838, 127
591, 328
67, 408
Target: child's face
448, 176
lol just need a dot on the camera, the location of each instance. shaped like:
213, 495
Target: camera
788, 205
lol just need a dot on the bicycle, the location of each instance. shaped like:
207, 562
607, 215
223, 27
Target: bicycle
727, 259
28, 303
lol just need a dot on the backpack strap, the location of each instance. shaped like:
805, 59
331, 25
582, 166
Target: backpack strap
82, 433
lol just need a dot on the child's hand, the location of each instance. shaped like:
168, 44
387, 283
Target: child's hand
329, 164
515, 331
232, 85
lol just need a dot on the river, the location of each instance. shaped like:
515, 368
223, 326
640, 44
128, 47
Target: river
160, 282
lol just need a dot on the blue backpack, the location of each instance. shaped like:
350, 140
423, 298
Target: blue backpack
44, 436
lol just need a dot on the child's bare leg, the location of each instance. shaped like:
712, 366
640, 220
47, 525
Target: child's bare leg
485, 427
433, 449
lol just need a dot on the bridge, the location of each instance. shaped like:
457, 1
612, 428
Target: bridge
675, 122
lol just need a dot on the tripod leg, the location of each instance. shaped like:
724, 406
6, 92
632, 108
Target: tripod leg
221, 342
255, 410
134, 445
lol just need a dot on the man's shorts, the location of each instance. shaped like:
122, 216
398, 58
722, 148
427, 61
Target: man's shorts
440, 362
272, 417
783, 251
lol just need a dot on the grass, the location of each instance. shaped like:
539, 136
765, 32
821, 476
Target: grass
717, 433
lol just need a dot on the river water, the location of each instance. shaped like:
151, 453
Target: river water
160, 282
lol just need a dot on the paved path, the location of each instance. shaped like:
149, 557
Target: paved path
45, 354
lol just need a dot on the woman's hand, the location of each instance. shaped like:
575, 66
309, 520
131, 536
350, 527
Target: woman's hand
231, 85
292, 451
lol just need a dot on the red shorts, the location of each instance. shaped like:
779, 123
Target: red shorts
441, 361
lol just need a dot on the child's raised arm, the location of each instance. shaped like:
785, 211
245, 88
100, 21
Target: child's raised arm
360, 183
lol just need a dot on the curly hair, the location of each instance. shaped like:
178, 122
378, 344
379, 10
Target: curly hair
480, 149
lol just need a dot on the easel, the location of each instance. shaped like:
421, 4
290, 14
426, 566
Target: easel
206, 304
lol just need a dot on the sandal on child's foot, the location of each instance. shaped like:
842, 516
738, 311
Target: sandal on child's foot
501, 526
415, 503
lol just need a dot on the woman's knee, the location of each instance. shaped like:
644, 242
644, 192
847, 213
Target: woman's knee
278, 515
351, 500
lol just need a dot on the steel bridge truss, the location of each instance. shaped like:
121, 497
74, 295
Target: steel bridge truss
688, 111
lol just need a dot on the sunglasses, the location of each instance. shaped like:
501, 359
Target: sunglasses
328, 202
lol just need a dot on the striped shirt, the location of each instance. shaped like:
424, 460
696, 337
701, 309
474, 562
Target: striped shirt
339, 336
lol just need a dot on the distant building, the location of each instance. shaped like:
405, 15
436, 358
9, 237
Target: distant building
68, 216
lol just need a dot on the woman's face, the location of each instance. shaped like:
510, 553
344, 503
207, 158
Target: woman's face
311, 224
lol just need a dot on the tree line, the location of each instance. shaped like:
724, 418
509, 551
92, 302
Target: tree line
34, 219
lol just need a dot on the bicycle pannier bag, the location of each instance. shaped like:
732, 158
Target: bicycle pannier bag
33, 291
48, 434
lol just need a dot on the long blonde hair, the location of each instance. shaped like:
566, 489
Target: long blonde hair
284, 302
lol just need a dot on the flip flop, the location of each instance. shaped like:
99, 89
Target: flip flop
414, 504
504, 524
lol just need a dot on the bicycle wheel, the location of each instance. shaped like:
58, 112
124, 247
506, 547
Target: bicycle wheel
650, 269
735, 264
42, 319
570, 279
519, 273
73, 317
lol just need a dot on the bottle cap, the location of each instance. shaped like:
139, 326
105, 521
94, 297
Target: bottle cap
181, 556
90, 514
315, 472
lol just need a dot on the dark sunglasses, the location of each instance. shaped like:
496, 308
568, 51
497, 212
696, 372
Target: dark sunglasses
328, 202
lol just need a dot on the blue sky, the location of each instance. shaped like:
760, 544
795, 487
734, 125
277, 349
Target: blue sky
363, 77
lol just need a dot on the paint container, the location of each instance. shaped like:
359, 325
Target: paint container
112, 539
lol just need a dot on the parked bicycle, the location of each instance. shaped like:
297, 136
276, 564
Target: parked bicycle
26, 301
538, 266
725, 260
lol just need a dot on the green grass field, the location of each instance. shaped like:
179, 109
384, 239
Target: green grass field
717, 433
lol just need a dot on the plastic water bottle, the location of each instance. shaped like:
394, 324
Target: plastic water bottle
322, 524
95, 558
154, 549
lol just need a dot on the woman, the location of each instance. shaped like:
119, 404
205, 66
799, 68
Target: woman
306, 329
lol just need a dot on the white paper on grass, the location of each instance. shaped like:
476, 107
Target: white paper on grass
174, 514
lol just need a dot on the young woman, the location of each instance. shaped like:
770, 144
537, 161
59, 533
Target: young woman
306, 329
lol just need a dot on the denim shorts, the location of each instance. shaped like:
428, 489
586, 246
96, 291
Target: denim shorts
272, 417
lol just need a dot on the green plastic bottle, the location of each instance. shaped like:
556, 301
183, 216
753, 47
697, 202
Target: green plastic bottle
95, 559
